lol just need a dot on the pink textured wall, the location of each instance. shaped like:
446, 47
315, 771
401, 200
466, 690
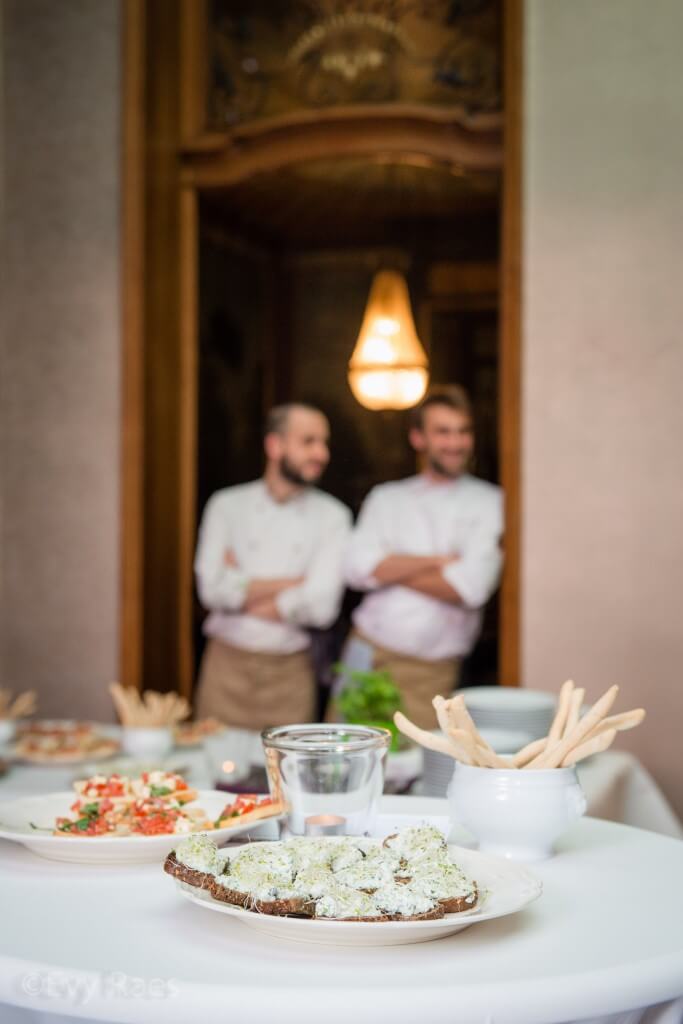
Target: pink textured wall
60, 352
602, 557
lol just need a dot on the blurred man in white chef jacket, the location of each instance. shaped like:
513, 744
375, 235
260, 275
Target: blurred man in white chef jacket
269, 565
427, 550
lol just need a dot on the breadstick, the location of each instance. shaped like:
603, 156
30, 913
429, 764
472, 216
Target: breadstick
141, 710
467, 753
560, 719
137, 703
529, 752
554, 755
24, 704
163, 717
149, 709
442, 717
465, 742
136, 708
575, 704
456, 714
179, 709
622, 722
421, 736
594, 746
464, 746
463, 720
485, 758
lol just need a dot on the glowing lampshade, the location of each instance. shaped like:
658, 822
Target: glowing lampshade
388, 367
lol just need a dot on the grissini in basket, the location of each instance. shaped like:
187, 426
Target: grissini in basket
22, 705
150, 709
571, 736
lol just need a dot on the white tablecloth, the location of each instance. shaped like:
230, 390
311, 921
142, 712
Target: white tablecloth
619, 788
119, 944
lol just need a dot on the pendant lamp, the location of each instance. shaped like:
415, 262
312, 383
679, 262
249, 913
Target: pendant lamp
388, 367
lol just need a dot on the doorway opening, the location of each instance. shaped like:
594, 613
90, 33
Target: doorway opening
286, 258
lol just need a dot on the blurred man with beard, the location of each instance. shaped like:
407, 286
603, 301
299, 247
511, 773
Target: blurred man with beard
427, 551
269, 565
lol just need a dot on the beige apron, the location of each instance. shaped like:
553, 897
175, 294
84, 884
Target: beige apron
252, 690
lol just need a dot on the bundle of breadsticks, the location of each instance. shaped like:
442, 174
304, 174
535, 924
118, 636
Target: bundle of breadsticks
572, 736
22, 705
148, 710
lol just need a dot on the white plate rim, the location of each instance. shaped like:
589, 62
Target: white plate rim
105, 730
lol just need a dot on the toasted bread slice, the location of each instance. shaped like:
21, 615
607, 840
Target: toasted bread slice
427, 915
297, 907
457, 904
226, 895
182, 796
293, 907
200, 879
268, 811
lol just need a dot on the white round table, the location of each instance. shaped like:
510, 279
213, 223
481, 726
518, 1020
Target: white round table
120, 944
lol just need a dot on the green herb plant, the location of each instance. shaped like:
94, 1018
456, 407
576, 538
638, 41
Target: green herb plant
370, 698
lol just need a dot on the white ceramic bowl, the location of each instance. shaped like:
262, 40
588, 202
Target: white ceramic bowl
7, 729
515, 813
142, 742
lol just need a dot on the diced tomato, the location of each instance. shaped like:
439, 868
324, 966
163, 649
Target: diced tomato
113, 787
97, 827
96, 812
155, 824
244, 803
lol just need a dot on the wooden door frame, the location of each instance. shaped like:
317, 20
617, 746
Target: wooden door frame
200, 161
131, 622
510, 374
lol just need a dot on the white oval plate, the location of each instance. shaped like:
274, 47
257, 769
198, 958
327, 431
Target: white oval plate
102, 730
16, 815
507, 888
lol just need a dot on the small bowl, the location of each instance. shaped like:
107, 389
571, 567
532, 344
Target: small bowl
7, 730
144, 742
516, 813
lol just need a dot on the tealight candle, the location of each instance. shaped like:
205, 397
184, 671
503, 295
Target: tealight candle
325, 825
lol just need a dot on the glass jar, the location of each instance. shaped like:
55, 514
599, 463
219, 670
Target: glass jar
329, 777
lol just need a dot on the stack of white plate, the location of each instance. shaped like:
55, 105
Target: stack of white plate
438, 768
437, 771
511, 708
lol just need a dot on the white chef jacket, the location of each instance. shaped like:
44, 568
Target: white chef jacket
303, 536
418, 516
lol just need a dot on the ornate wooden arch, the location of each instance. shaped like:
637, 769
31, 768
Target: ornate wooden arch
359, 133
